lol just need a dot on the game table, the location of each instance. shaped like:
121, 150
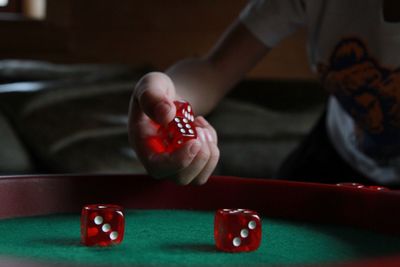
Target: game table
304, 224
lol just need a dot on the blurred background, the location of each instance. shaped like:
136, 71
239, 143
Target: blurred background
67, 69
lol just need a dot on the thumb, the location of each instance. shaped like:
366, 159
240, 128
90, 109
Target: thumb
154, 94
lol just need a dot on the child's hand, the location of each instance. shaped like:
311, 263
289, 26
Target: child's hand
152, 101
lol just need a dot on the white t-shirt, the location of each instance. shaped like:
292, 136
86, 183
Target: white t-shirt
357, 55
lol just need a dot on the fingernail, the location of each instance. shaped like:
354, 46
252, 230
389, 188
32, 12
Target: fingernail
162, 109
201, 134
209, 136
194, 148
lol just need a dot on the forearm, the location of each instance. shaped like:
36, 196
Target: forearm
205, 81
198, 81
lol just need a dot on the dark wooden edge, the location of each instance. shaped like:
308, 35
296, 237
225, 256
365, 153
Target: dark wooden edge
317, 203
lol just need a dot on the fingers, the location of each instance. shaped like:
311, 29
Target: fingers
192, 171
154, 95
212, 141
202, 122
169, 165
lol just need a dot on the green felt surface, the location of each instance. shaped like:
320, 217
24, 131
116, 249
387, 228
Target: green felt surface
172, 237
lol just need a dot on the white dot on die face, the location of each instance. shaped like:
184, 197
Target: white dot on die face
252, 225
113, 235
183, 131
189, 108
191, 131
106, 227
244, 233
188, 126
185, 121
179, 125
177, 119
236, 241
98, 220
192, 118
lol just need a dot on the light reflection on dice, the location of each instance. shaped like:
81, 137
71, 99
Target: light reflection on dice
237, 230
102, 225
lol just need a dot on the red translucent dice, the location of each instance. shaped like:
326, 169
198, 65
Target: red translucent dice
180, 129
102, 225
237, 230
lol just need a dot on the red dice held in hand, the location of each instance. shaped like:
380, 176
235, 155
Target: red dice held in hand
237, 230
102, 225
178, 131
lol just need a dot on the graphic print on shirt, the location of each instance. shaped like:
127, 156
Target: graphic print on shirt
370, 93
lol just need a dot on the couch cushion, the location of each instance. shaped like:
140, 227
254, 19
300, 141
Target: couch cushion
79, 128
72, 118
14, 158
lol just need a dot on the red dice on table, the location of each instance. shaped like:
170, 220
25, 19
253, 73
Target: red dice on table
102, 225
180, 129
237, 230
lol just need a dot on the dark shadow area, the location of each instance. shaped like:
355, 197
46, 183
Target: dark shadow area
195, 248
59, 242
280, 95
363, 243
